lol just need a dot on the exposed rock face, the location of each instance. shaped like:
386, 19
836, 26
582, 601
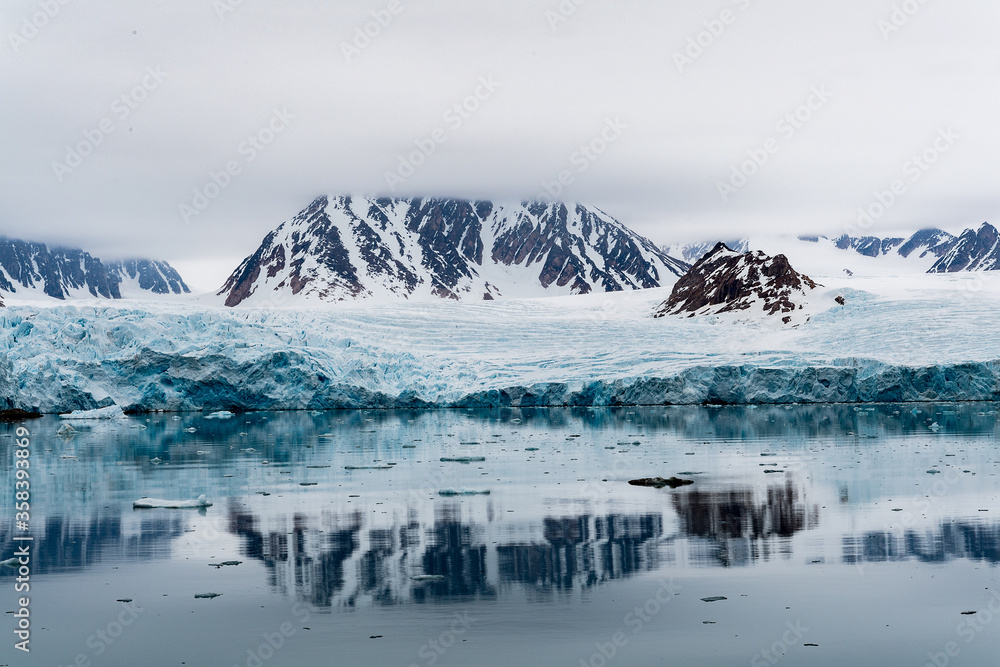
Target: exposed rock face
972, 251
55, 272
726, 281
150, 275
692, 252
869, 246
927, 241
350, 248
61, 272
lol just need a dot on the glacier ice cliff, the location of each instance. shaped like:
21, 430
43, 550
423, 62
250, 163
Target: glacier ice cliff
575, 351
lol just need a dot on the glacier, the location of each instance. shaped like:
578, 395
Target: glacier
912, 338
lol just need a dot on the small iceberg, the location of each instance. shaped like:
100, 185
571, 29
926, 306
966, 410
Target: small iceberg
149, 503
463, 492
110, 412
206, 596
221, 414
66, 431
463, 459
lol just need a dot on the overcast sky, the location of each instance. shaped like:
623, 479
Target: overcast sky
115, 113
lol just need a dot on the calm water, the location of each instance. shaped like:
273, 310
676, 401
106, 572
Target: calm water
819, 525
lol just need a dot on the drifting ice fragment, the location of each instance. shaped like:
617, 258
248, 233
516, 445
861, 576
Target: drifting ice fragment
110, 412
147, 503
463, 492
463, 459
221, 414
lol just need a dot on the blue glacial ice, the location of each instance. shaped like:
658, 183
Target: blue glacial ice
577, 351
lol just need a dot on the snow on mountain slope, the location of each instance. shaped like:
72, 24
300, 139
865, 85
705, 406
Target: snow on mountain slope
925, 337
692, 252
972, 251
744, 283
33, 270
343, 248
137, 277
925, 251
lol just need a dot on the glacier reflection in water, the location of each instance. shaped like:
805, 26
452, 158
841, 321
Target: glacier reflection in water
791, 509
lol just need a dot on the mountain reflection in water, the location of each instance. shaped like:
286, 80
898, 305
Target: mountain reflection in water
448, 558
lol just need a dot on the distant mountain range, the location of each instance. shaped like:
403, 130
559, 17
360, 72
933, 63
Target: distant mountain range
29, 268
344, 248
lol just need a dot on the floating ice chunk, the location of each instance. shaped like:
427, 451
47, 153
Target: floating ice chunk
463, 459
221, 414
463, 492
206, 596
66, 430
10, 562
147, 503
110, 412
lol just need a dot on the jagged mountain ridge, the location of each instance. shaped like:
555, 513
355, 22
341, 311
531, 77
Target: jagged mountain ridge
692, 252
725, 280
972, 250
27, 267
351, 248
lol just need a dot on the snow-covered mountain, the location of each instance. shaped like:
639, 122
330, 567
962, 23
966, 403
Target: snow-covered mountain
972, 251
29, 269
692, 252
928, 250
344, 248
725, 281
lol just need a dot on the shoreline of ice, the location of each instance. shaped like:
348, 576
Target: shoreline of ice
918, 339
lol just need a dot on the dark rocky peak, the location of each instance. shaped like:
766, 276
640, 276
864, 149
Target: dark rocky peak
975, 250
349, 248
932, 241
59, 272
869, 246
728, 281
